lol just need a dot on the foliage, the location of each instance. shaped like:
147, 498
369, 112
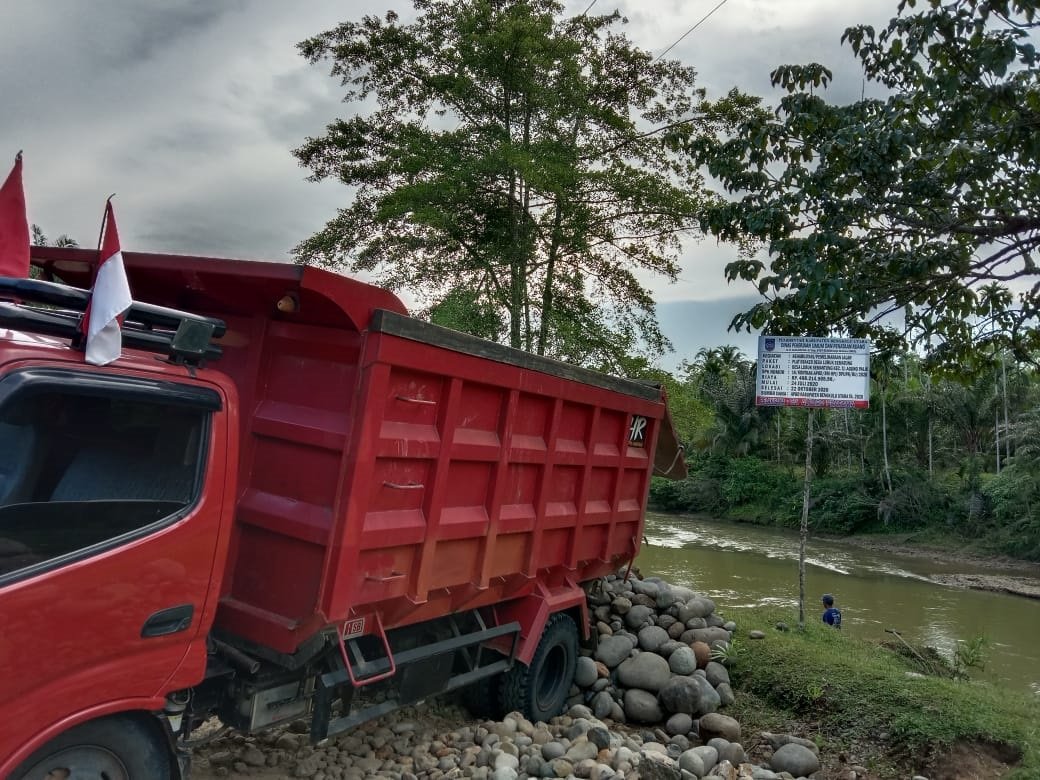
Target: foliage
971, 654
855, 689
501, 148
924, 204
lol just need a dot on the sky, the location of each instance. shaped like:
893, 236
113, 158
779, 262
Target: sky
188, 111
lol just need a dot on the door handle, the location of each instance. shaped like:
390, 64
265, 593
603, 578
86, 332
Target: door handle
168, 621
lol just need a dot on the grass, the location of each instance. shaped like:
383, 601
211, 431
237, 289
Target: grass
852, 691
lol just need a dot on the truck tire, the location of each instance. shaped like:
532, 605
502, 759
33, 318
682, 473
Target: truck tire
113, 748
483, 698
540, 690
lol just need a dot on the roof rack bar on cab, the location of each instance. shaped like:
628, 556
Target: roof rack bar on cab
182, 336
54, 294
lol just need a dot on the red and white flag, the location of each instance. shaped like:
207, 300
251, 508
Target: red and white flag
109, 299
14, 227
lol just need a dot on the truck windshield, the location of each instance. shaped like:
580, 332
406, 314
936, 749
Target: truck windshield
78, 471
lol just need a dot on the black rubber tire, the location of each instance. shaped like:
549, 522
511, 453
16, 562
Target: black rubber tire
483, 699
115, 747
540, 690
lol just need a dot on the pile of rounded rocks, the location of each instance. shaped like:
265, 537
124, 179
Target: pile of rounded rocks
645, 704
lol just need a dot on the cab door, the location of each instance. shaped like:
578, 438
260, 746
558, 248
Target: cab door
111, 492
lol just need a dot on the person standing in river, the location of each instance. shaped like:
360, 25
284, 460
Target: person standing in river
831, 614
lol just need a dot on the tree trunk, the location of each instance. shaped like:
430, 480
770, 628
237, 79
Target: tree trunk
1007, 424
884, 441
804, 531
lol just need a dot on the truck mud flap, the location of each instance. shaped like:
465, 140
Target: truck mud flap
419, 672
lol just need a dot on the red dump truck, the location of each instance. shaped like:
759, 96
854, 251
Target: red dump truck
288, 500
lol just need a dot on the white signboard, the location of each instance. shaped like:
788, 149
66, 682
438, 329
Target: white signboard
818, 372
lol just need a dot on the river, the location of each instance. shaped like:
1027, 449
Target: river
744, 566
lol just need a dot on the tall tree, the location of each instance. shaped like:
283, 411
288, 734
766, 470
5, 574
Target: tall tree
901, 205
501, 147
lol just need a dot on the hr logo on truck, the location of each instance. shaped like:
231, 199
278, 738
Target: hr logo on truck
353, 628
637, 431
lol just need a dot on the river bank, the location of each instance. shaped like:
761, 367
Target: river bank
1009, 575
1002, 574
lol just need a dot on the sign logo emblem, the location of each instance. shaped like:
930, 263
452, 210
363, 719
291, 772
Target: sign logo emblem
637, 431
353, 628
770, 345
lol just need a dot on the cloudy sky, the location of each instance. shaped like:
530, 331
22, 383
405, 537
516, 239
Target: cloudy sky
188, 110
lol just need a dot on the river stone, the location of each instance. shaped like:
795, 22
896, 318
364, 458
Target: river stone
669, 647
665, 597
647, 671
734, 753
796, 759
641, 706
613, 650
776, 741
585, 672
691, 762
676, 630
717, 673
698, 607
709, 699
638, 617
580, 750
654, 766
601, 684
603, 629
553, 750
644, 601
621, 605
681, 694
665, 621
561, 767
682, 592
730, 626
715, 725
726, 697
652, 637
679, 723
756, 634
602, 704
709, 755
696, 623
761, 773
682, 660
715, 621
599, 737
646, 588
710, 635
702, 651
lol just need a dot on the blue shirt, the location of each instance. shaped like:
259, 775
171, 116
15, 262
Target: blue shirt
832, 617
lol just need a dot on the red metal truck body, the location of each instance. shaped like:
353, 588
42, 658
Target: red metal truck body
364, 472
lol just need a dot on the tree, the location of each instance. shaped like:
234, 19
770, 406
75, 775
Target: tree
501, 148
904, 205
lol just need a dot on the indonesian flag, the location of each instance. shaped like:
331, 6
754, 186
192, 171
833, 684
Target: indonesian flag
109, 299
14, 227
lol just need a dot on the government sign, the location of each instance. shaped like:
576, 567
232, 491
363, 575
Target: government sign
818, 372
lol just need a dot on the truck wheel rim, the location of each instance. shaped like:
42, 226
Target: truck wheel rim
83, 762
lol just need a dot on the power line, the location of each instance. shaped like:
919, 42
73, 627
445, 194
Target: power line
589, 8
699, 23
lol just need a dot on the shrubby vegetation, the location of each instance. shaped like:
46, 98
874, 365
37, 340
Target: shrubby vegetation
833, 680
952, 456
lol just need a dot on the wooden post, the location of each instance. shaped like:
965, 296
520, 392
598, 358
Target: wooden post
804, 535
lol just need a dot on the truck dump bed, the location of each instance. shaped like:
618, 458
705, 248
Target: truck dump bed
394, 470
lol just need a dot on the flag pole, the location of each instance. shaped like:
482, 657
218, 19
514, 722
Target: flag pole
101, 232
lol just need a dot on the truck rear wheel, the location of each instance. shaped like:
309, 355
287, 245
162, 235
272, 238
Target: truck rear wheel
115, 748
540, 689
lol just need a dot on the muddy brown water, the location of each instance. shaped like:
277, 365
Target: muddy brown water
744, 566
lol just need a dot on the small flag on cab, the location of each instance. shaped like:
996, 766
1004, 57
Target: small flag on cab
102, 323
14, 225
